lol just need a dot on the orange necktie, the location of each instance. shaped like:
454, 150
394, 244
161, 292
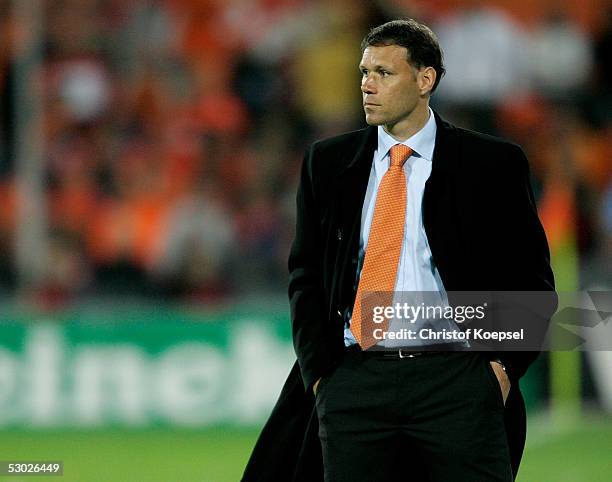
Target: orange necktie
379, 272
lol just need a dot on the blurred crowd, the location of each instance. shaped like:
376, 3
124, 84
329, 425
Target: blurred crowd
173, 130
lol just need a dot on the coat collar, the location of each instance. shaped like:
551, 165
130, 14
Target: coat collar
443, 158
447, 147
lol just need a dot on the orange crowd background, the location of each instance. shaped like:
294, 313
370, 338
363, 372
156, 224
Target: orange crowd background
173, 130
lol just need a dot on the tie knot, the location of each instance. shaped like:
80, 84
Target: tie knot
399, 154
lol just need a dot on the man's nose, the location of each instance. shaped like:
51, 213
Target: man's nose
368, 86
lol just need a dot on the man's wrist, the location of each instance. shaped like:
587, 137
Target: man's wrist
505, 363
315, 385
500, 363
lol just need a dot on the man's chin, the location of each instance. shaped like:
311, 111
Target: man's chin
373, 121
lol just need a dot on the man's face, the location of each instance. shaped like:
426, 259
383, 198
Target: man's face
388, 84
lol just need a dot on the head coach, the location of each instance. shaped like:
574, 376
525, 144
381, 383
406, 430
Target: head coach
411, 203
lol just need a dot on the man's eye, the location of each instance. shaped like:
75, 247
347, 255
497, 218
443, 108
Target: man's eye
384, 73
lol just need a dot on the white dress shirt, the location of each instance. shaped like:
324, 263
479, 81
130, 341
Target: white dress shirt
416, 271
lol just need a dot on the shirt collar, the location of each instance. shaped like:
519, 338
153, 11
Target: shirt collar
422, 143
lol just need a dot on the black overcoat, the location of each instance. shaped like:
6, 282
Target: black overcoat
484, 233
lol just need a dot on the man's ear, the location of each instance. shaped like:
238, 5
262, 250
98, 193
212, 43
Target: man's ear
426, 79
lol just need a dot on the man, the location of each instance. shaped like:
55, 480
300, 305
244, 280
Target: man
409, 204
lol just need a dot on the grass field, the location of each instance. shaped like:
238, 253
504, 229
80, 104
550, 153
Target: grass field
582, 454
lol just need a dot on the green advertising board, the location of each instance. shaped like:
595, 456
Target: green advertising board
131, 367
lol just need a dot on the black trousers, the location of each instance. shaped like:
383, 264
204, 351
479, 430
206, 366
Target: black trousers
433, 418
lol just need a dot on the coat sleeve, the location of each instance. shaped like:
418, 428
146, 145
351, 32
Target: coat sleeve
311, 339
525, 261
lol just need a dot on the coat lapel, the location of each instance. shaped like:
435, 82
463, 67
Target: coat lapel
439, 202
352, 184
